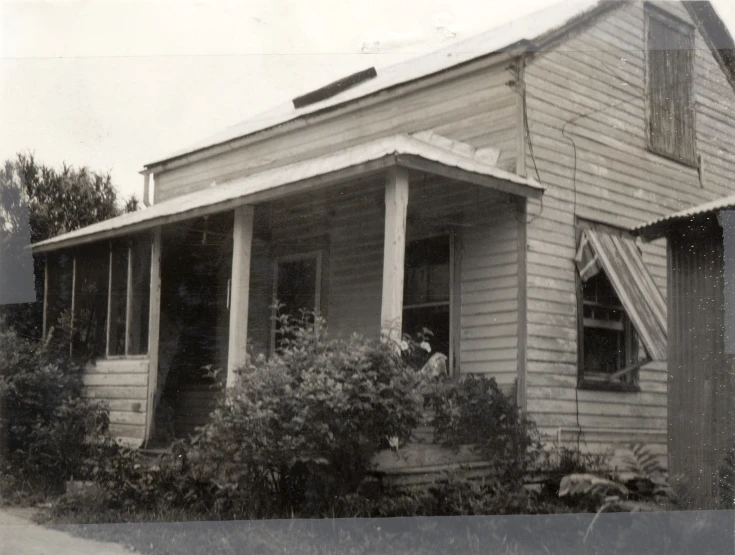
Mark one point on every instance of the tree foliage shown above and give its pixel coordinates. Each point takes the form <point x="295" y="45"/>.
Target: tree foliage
<point x="38" y="202"/>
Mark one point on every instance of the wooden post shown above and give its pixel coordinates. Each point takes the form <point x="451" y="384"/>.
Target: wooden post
<point x="73" y="302"/>
<point x="109" y="304"/>
<point x="129" y="302"/>
<point x="45" y="296"/>
<point x="396" y="205"/>
<point x="242" y="235"/>
<point x="154" y="317"/>
<point x="521" y="382"/>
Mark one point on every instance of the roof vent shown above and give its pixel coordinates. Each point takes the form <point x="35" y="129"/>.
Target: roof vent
<point x="328" y="91"/>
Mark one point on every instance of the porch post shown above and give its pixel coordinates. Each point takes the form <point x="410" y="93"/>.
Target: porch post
<point x="396" y="204"/>
<point x="242" y="241"/>
<point x="154" y="318"/>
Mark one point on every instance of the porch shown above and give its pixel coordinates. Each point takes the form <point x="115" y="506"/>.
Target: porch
<point x="385" y="238"/>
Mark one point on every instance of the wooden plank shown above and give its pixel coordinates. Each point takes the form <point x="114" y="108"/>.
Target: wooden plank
<point x="125" y="417"/>
<point x="112" y="392"/>
<point x="396" y="205"/>
<point x="154" y="318"/>
<point x="114" y="379"/>
<point x="121" y="365"/>
<point x="455" y="304"/>
<point x="73" y="302"/>
<point x="240" y="291"/>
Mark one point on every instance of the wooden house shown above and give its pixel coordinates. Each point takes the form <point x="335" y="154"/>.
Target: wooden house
<point x="485" y="191"/>
<point x="701" y="359"/>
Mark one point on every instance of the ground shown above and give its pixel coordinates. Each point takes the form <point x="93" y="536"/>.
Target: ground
<point x="20" y="536"/>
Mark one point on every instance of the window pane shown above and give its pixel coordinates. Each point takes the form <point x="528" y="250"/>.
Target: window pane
<point x="426" y="277"/>
<point x="426" y="281"/>
<point x="141" y="262"/>
<point x="90" y="303"/>
<point x="118" y="297"/>
<point x="609" y="342"/>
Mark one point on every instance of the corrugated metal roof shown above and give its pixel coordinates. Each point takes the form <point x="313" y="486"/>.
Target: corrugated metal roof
<point x="523" y="29"/>
<point x="658" y="227"/>
<point x="467" y="160"/>
<point x="643" y="302"/>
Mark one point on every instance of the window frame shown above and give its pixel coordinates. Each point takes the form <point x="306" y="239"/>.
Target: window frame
<point x="453" y="362"/>
<point x="318" y="255"/>
<point x="597" y="385"/>
<point x="654" y="12"/>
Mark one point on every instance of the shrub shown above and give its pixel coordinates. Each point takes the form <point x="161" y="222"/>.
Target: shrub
<point x="303" y="426"/>
<point x="45" y="424"/>
<point x="474" y="411"/>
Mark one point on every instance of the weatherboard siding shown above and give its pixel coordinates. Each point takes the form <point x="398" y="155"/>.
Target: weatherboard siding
<point x="122" y="386"/>
<point x="478" y="108"/>
<point x="588" y="92"/>
<point x="347" y="225"/>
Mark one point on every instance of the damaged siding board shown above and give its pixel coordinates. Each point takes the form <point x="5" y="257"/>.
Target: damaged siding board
<point x="597" y="79"/>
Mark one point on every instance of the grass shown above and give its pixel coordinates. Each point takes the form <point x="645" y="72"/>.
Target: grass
<point x="176" y="532"/>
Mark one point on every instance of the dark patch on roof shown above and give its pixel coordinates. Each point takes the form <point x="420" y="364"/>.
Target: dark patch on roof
<point x="332" y="89"/>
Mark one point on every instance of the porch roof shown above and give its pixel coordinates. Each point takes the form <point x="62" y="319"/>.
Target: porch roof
<point x="420" y="152"/>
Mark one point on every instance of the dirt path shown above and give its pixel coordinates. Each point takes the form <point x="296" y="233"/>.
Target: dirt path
<point x="20" y="536"/>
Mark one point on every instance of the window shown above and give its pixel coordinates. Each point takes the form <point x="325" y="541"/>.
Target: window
<point x="129" y="296"/>
<point x="297" y="287"/>
<point x="609" y="341"/>
<point x="669" y="93"/>
<point x="426" y="290"/>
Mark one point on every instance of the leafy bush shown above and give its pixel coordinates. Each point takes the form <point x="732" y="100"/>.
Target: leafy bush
<point x="298" y="430"/>
<point x="474" y="411"/>
<point x="45" y="424"/>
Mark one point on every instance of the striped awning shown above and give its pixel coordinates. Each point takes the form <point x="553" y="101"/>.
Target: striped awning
<point x="618" y="256"/>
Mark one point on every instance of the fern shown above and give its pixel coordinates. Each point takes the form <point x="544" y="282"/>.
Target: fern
<point x="648" y="468"/>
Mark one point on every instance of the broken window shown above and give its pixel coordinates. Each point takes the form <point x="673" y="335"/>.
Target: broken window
<point x="426" y="291"/>
<point x="670" y="98"/>
<point x="622" y="314"/>
<point x="609" y="342"/>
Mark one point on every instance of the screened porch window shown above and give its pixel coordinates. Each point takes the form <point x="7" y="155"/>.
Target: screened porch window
<point x="426" y="290"/>
<point x="129" y="298"/>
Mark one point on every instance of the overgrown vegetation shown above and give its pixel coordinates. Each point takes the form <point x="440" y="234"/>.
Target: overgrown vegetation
<point x="48" y="433"/>
<point x="297" y="436"/>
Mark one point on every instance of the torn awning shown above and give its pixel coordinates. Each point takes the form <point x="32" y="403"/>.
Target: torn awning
<point x="618" y="256"/>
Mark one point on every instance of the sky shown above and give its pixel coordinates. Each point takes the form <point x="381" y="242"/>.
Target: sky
<point x="113" y="85"/>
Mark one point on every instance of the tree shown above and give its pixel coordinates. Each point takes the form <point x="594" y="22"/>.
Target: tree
<point x="38" y="202"/>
